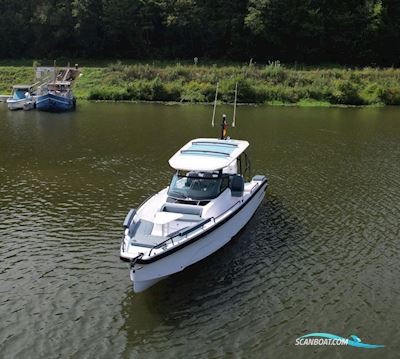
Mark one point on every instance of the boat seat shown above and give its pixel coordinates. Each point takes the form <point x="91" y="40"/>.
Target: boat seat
<point x="147" y="241"/>
<point x="141" y="228"/>
<point x="141" y="236"/>
<point x="190" y="218"/>
<point x="182" y="208"/>
<point x="237" y="186"/>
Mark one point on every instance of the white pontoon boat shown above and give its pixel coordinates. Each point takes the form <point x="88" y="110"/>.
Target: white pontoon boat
<point x="207" y="203"/>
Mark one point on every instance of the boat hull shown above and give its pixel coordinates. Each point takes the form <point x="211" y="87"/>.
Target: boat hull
<point x="30" y="105"/>
<point x="54" y="103"/>
<point x="17" y="104"/>
<point x="145" y="275"/>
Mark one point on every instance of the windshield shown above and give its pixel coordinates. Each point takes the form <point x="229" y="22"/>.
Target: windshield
<point x="19" y="94"/>
<point x="195" y="185"/>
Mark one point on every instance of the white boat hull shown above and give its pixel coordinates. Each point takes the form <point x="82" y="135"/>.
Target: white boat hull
<point x="30" y="105"/>
<point x="146" y="275"/>
<point x="17" y="104"/>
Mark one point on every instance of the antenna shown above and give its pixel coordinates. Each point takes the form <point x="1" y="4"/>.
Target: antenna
<point x="234" y="107"/>
<point x="215" y="105"/>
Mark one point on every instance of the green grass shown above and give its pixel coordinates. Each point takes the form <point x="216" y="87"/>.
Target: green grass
<point x="274" y="83"/>
<point x="10" y="76"/>
<point x="307" y="102"/>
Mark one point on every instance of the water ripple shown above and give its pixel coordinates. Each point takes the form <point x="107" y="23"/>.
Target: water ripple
<point x="321" y="253"/>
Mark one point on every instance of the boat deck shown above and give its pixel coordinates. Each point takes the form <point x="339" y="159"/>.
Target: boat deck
<point x="149" y="234"/>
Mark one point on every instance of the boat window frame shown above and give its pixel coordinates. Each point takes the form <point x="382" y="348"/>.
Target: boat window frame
<point x="224" y="181"/>
<point x="244" y="166"/>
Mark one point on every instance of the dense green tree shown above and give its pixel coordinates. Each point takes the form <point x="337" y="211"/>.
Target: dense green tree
<point x="287" y="30"/>
<point x="185" y="28"/>
<point x="353" y="32"/>
<point x="389" y="37"/>
<point x="88" y="27"/>
<point x="15" y="31"/>
<point x="52" y="28"/>
<point x="121" y="33"/>
<point x="350" y="30"/>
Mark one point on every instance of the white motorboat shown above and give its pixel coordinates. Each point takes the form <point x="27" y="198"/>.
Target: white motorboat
<point x="22" y="96"/>
<point x="206" y="204"/>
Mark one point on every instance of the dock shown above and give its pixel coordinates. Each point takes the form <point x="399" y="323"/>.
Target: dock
<point x="3" y="98"/>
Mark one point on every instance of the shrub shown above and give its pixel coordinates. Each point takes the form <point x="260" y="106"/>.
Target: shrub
<point x="144" y="90"/>
<point x="320" y="91"/>
<point x="390" y="96"/>
<point x="173" y="91"/>
<point x="192" y="92"/>
<point x="176" y="72"/>
<point x="293" y="94"/>
<point x="109" y="94"/>
<point x="370" y="93"/>
<point x="247" y="92"/>
<point x="345" y="92"/>
<point x="133" y="92"/>
<point x="158" y="90"/>
<point x="269" y="93"/>
<point x="275" y="72"/>
<point x="208" y="90"/>
<point x="116" y="66"/>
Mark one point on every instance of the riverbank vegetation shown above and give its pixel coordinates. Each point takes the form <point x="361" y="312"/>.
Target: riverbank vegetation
<point x="231" y="41"/>
<point x="273" y="83"/>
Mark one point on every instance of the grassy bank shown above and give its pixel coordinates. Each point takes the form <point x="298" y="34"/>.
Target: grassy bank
<point x="273" y="83"/>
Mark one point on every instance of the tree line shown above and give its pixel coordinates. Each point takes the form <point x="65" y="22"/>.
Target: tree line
<point x="351" y="32"/>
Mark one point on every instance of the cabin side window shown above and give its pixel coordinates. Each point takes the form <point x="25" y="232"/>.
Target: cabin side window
<point x="224" y="183"/>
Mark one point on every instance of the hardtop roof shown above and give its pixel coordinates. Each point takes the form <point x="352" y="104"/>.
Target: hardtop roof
<point x="207" y="154"/>
<point x="22" y="87"/>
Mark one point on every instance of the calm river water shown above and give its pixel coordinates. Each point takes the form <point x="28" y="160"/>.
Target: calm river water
<point x="320" y="255"/>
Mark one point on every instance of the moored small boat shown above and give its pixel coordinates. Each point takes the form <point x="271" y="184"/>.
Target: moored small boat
<point x="56" y="97"/>
<point x="21" y="95"/>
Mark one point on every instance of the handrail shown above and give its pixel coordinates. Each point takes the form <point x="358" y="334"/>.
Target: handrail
<point x="181" y="233"/>
<point x="251" y="190"/>
<point x="184" y="231"/>
<point x="134" y="260"/>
